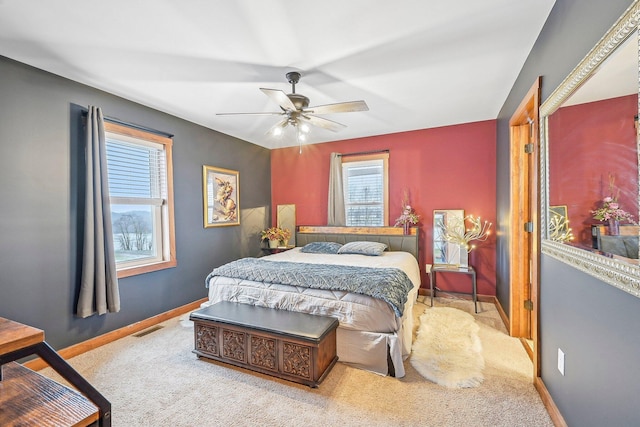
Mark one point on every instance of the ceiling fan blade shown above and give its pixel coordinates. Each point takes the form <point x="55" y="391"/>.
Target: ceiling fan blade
<point x="251" y="114"/>
<point x="322" y="122"/>
<point x="280" y="125"/>
<point x="341" y="107"/>
<point x="280" y="98"/>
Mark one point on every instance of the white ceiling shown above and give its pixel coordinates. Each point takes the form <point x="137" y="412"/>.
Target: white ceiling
<point x="417" y="63"/>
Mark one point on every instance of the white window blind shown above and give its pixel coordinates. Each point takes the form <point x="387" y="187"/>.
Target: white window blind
<point x="364" y="192"/>
<point x="136" y="172"/>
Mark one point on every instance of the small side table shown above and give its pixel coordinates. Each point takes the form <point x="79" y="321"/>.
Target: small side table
<point x="432" y="269"/>
<point x="277" y="250"/>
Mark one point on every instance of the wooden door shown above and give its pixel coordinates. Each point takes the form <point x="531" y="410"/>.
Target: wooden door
<point x="521" y="231"/>
<point x="525" y="227"/>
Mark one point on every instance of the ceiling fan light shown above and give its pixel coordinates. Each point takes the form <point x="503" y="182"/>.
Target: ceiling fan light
<point x="297" y="114"/>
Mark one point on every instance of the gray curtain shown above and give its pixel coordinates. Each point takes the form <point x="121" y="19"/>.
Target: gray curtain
<point x="336" y="214"/>
<point x="99" y="284"/>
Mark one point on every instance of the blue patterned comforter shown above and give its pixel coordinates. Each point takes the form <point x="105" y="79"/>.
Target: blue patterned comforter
<point x="391" y="285"/>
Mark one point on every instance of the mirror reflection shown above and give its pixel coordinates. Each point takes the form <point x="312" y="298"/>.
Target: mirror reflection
<point x="286" y="218"/>
<point x="446" y="252"/>
<point x="593" y="160"/>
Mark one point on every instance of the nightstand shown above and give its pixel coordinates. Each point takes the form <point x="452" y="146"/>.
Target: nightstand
<point x="433" y="269"/>
<point x="277" y="250"/>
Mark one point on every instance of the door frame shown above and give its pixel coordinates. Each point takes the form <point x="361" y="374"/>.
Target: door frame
<point x="527" y="114"/>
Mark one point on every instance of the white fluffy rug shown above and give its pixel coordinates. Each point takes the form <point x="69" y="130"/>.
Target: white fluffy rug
<point x="447" y="349"/>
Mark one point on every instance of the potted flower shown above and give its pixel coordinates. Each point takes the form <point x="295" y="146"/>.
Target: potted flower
<point x="611" y="212"/>
<point x="276" y="236"/>
<point x="408" y="218"/>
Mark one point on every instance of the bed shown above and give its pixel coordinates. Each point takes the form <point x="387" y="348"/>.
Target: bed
<point x="375" y="331"/>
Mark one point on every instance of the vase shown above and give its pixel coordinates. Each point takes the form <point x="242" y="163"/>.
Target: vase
<point x="463" y="263"/>
<point x="406" y="229"/>
<point x="614" y="227"/>
<point x="274" y="243"/>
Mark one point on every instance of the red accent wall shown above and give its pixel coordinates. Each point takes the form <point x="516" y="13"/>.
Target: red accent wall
<point x="588" y="142"/>
<point x="452" y="167"/>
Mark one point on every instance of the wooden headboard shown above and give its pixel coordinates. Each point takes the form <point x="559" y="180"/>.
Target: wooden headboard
<point x="393" y="237"/>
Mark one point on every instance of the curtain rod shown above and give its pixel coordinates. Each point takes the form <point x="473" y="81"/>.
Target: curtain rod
<point x="131" y="125"/>
<point x="362" y="153"/>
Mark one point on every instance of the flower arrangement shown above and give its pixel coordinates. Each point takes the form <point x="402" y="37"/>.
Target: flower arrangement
<point x="409" y="216"/>
<point x="611" y="210"/>
<point x="276" y="233"/>
<point x="456" y="231"/>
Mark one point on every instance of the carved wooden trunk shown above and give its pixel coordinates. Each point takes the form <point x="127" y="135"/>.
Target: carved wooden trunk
<point x="294" y="346"/>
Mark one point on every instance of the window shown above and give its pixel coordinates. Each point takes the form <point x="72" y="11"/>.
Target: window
<point x="141" y="193"/>
<point x="366" y="183"/>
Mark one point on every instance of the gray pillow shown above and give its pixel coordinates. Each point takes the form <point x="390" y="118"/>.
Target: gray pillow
<point x="321" y="248"/>
<point x="613" y="245"/>
<point x="631" y="244"/>
<point x="363" y="248"/>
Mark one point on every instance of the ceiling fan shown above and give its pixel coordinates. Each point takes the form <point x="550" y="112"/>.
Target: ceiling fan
<point x="296" y="111"/>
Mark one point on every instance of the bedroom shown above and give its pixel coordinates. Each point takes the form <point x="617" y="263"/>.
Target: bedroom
<point x="40" y="225"/>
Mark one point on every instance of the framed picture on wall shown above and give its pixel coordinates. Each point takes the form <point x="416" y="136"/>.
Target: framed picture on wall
<point x="559" y="230"/>
<point x="559" y="211"/>
<point x="221" y="196"/>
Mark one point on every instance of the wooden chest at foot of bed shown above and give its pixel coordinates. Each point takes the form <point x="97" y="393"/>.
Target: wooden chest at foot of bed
<point x="293" y="346"/>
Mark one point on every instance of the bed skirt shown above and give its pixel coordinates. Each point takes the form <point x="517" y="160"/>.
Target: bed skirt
<point x="373" y="351"/>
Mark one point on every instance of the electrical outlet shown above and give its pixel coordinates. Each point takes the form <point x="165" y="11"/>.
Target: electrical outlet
<point x="561" y="361"/>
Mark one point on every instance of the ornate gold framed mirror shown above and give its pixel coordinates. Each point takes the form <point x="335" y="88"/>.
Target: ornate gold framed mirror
<point x="589" y="154"/>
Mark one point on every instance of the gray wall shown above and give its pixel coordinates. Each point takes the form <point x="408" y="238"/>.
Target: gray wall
<point x="595" y="324"/>
<point x="40" y="154"/>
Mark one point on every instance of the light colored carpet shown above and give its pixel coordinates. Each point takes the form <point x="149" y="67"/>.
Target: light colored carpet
<point x="447" y="349"/>
<point x="155" y="380"/>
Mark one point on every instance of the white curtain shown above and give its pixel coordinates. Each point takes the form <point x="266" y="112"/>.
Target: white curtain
<point x="335" y="211"/>
<point x="99" y="284"/>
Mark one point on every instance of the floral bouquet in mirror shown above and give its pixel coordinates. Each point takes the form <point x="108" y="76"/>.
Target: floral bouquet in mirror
<point x="611" y="210"/>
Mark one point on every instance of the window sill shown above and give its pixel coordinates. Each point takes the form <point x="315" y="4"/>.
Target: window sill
<point x="134" y="271"/>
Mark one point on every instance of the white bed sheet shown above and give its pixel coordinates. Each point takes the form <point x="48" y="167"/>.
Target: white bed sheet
<point x="367" y="325"/>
